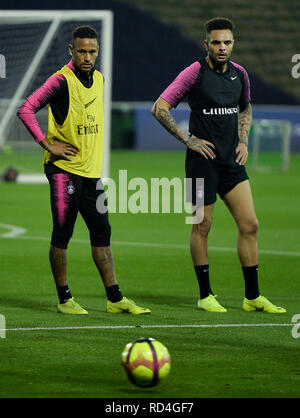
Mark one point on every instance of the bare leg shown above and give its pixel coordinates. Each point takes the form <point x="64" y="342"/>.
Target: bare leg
<point x="199" y="251"/>
<point x="103" y="259"/>
<point x="198" y="240"/>
<point x="240" y="203"/>
<point x="58" y="262"/>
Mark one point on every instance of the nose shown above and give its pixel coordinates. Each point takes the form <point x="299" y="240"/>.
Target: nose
<point x="87" y="57"/>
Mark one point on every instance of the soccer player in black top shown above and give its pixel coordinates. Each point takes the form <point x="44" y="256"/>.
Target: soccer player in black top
<point x="218" y="93"/>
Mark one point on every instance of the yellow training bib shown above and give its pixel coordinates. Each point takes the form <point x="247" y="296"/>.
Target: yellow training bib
<point x="82" y="128"/>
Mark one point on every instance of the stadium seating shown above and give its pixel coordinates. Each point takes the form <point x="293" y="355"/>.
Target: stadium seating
<point x="266" y="32"/>
<point x="148" y="32"/>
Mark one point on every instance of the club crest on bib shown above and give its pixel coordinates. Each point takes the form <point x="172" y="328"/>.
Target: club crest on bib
<point x="70" y="188"/>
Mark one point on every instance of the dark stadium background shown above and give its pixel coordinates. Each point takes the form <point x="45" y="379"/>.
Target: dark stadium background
<point x="153" y="41"/>
<point x="148" y="53"/>
<point x="236" y="355"/>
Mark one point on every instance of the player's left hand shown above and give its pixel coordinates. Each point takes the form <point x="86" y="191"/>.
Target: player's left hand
<point x="241" y="153"/>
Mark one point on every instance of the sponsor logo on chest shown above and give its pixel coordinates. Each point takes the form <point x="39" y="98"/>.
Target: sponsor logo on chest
<point x="220" y="111"/>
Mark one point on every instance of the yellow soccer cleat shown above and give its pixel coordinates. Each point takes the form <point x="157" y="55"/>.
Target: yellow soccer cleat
<point x="71" y="307"/>
<point x="261" y="304"/>
<point x="126" y="306"/>
<point x="210" y="304"/>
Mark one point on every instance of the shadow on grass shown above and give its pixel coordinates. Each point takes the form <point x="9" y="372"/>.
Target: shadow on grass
<point x="31" y="303"/>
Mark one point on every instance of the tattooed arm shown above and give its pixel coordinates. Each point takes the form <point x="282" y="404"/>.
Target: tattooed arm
<point x="245" y="119"/>
<point x="161" y="111"/>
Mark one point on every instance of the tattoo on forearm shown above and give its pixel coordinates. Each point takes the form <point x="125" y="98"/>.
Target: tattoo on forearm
<point x="245" y="118"/>
<point x="195" y="143"/>
<point x="243" y="141"/>
<point x="167" y="121"/>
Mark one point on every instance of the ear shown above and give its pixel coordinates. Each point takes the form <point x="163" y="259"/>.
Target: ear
<point x="206" y="44"/>
<point x="71" y="49"/>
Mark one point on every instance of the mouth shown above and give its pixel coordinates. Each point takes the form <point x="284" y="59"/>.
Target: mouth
<point x="86" y="66"/>
<point x="221" y="56"/>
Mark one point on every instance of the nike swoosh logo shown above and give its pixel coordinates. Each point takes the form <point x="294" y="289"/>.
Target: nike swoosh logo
<point x="89" y="103"/>
<point x="233" y="78"/>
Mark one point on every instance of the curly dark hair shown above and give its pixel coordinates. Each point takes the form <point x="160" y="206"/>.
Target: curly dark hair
<point x="219" y="23"/>
<point x="84" y="32"/>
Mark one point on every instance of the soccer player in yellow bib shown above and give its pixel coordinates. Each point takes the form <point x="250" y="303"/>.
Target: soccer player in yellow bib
<point x="73" y="162"/>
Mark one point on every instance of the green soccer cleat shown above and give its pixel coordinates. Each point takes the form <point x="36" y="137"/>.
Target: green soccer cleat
<point x="210" y="304"/>
<point x="261" y="304"/>
<point x="71" y="307"/>
<point x="126" y="306"/>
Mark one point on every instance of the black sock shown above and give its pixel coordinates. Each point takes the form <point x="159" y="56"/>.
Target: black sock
<point x="202" y="273"/>
<point x="63" y="293"/>
<point x="251" y="282"/>
<point x="113" y="293"/>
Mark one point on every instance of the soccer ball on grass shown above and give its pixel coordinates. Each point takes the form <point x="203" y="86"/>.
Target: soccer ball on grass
<point x="146" y="362"/>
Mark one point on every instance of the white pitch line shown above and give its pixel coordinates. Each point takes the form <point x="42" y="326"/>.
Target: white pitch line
<point x="14" y="231"/>
<point x="149" y="326"/>
<point x="17" y="232"/>
<point x="160" y="245"/>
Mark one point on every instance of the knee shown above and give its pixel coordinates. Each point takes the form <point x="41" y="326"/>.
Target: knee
<point x="203" y="228"/>
<point x="101" y="237"/>
<point x="250" y="227"/>
<point x="61" y="238"/>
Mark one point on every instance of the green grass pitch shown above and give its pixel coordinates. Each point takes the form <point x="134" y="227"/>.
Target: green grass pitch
<point x="236" y="354"/>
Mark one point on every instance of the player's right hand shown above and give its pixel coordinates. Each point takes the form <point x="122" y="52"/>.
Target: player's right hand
<point x="201" y="146"/>
<point x="62" y="149"/>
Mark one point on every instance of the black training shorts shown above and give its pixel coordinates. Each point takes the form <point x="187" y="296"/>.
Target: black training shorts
<point x="70" y="194"/>
<point x="218" y="179"/>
